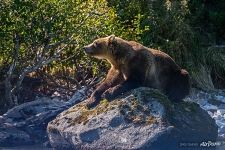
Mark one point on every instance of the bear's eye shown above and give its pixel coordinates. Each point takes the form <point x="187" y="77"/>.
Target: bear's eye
<point x="96" y="44"/>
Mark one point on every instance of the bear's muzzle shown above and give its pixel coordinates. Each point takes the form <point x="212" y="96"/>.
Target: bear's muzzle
<point x="88" y="50"/>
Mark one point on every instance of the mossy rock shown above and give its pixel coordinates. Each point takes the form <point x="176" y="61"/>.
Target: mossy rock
<point x="143" y="118"/>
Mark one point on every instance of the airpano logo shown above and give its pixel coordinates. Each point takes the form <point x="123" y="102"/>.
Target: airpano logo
<point x="202" y="144"/>
<point x="211" y="144"/>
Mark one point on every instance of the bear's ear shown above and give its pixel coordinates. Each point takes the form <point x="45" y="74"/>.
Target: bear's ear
<point x="113" y="46"/>
<point x="112" y="42"/>
<point x="112" y="39"/>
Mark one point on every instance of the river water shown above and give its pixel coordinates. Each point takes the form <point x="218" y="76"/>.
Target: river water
<point x="214" y="104"/>
<point x="29" y="147"/>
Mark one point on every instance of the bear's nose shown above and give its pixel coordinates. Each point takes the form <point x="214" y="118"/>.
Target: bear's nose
<point x="84" y="48"/>
<point x="87" y="49"/>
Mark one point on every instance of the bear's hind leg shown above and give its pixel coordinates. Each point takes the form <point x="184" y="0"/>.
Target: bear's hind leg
<point x="179" y="86"/>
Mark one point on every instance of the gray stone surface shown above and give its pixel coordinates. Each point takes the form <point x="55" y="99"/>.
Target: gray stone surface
<point x="26" y="124"/>
<point x="10" y="135"/>
<point x="141" y="119"/>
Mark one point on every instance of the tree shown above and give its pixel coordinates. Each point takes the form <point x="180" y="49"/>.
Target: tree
<point x="37" y="33"/>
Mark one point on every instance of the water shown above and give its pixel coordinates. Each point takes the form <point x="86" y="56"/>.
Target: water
<point x="214" y="104"/>
<point x="27" y="147"/>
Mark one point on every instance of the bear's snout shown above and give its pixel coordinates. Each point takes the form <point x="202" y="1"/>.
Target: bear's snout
<point x="87" y="50"/>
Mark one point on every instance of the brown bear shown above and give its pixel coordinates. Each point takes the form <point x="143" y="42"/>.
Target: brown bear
<point x="134" y="65"/>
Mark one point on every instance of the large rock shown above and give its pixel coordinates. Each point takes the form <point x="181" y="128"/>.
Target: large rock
<point x="141" y="119"/>
<point x="26" y="124"/>
<point x="11" y="136"/>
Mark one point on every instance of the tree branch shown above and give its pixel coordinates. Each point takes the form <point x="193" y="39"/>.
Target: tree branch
<point x="9" y="94"/>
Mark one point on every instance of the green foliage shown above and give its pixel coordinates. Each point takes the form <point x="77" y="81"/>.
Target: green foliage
<point x="163" y="26"/>
<point x="50" y="23"/>
<point x="58" y="23"/>
<point x="184" y="29"/>
<point x="215" y="58"/>
<point x="208" y="18"/>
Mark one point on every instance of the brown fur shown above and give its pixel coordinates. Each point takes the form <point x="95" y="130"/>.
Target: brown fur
<point x="132" y="66"/>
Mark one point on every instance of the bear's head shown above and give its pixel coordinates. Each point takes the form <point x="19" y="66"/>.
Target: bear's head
<point x="114" y="49"/>
<point x="101" y="48"/>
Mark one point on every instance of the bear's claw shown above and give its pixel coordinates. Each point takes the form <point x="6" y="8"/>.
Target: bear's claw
<point x="92" y="102"/>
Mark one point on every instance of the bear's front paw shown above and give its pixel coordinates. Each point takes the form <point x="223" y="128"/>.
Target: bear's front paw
<point x="108" y="95"/>
<point x="92" y="102"/>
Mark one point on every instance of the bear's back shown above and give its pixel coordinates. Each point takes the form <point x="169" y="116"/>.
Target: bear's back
<point x="161" y="59"/>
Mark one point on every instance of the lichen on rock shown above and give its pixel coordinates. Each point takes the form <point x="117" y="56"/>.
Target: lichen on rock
<point x="140" y="119"/>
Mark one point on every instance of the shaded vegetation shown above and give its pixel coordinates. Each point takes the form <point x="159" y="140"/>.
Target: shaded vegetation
<point x="191" y="31"/>
<point x="44" y="39"/>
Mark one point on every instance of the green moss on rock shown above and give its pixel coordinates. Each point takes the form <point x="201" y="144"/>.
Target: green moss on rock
<point x="133" y="108"/>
